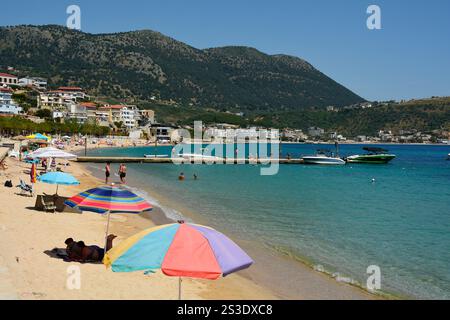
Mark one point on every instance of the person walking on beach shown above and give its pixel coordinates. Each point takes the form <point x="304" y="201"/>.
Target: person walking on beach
<point x="122" y="173"/>
<point x="107" y="172"/>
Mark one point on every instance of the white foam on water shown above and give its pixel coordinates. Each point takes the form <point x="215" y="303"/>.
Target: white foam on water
<point x="170" y="213"/>
<point x="339" y="278"/>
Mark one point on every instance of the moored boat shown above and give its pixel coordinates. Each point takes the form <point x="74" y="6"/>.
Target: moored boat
<point x="373" y="155"/>
<point x="323" y="157"/>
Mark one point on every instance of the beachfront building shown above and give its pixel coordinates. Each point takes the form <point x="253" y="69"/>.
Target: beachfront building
<point x="148" y="116"/>
<point x="7" y="105"/>
<point x="77" y="112"/>
<point x="8" y="79"/>
<point x="162" y="133"/>
<point x="294" y="135"/>
<point x="34" y="82"/>
<point x="127" y="115"/>
<point x="315" y="132"/>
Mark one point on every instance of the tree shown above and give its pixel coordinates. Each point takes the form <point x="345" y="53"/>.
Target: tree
<point x="44" y="113"/>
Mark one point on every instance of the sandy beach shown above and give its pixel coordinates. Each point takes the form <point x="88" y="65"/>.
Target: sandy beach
<point x="29" y="271"/>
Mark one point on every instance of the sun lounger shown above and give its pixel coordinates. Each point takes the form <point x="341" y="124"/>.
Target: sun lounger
<point x="25" y="188"/>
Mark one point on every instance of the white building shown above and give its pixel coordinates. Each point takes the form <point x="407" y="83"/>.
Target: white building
<point x="128" y="115"/>
<point x="8" y="79"/>
<point x="7" y="105"/>
<point x="315" y="132"/>
<point x="61" y="98"/>
<point x="35" y="82"/>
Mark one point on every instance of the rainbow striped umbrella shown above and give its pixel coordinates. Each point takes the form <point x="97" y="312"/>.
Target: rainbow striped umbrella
<point x="107" y="200"/>
<point x="179" y="250"/>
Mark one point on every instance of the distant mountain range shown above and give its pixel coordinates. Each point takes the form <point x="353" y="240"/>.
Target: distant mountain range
<point x="141" y="64"/>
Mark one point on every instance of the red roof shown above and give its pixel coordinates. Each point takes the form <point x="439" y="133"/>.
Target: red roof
<point x="5" y="89"/>
<point x="7" y="75"/>
<point x="70" y="89"/>
<point x="88" y="105"/>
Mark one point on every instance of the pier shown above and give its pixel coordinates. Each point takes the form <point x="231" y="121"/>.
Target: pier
<point x="182" y="160"/>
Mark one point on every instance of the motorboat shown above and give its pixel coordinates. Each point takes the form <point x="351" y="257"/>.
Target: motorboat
<point x="373" y="155"/>
<point x="150" y="156"/>
<point x="323" y="157"/>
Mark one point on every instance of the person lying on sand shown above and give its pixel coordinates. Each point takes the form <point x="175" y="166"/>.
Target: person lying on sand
<point x="80" y="252"/>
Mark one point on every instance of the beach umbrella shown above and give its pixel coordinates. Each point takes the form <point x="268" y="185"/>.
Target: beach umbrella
<point x="179" y="250"/>
<point x="51" y="152"/>
<point x="38" y="136"/>
<point x="110" y="199"/>
<point x="59" y="178"/>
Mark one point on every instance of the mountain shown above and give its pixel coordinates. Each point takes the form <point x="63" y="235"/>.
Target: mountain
<point x="142" y="64"/>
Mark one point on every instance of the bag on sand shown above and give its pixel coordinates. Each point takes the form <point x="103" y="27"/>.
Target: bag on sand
<point x="8" y="184"/>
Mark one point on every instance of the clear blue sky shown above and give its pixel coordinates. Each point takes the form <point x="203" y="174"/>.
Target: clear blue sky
<point x="408" y="58"/>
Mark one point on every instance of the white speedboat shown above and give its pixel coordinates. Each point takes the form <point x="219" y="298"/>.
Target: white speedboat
<point x="156" y="156"/>
<point x="194" y="156"/>
<point x="323" y="158"/>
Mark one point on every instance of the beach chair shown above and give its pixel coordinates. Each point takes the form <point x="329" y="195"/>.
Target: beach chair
<point x="25" y="188"/>
<point x="45" y="204"/>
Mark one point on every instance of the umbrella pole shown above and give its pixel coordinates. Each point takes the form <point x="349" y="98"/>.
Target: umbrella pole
<point x="179" y="288"/>
<point x="57" y="186"/>
<point x="107" y="229"/>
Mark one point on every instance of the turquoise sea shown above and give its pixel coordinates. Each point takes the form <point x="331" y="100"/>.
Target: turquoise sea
<point x="334" y="217"/>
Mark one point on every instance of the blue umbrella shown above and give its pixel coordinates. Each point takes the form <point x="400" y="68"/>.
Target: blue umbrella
<point x="59" y="178"/>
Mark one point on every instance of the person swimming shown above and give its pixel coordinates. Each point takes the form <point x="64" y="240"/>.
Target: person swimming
<point x="181" y="176"/>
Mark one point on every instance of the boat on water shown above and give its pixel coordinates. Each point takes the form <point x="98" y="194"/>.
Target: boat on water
<point x="323" y="157"/>
<point x="194" y="156"/>
<point x="156" y="156"/>
<point x="373" y="155"/>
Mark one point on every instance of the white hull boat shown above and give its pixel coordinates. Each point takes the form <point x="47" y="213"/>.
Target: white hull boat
<point x="323" y="160"/>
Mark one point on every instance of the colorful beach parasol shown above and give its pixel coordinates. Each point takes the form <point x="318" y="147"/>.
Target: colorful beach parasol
<point x="59" y="178"/>
<point x="107" y="200"/>
<point x="179" y="250"/>
<point x="38" y="136"/>
<point x="51" y="152"/>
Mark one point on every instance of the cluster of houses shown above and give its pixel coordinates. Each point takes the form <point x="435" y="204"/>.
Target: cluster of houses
<point x="72" y="103"/>
<point x="316" y="134"/>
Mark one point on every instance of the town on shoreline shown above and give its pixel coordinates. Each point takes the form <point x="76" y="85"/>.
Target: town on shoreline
<point x="28" y="105"/>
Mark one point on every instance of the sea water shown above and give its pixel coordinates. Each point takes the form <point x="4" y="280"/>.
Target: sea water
<point x="342" y="219"/>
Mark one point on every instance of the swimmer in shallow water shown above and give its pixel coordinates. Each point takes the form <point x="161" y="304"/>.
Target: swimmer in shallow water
<point x="181" y="176"/>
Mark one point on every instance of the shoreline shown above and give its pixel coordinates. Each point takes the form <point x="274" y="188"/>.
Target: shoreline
<point x="314" y="284"/>
<point x="29" y="271"/>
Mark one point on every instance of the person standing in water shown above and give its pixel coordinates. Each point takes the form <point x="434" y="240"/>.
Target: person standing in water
<point x="122" y="173"/>
<point x="107" y="172"/>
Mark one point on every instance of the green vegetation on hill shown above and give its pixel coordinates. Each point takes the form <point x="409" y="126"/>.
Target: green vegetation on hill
<point x="141" y="64"/>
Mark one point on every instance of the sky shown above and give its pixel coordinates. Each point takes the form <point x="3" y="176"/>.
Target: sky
<point x="409" y="57"/>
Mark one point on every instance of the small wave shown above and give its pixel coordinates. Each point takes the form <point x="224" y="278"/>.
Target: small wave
<point x="170" y="213"/>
